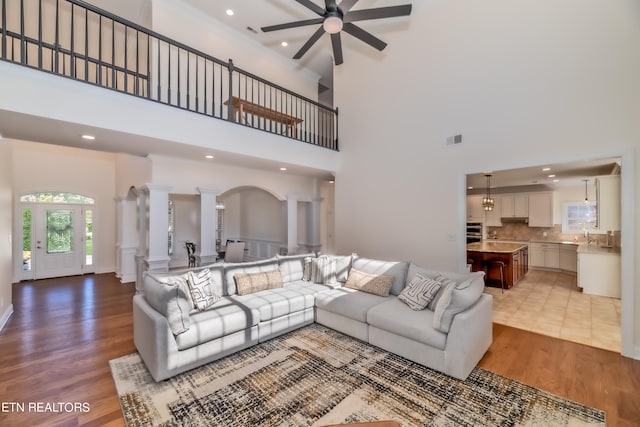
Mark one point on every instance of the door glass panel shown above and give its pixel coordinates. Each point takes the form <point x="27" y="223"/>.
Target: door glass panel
<point x="26" y="239"/>
<point x="88" y="237"/>
<point x="59" y="231"/>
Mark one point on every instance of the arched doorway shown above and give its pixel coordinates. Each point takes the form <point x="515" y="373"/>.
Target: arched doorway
<point x="56" y="235"/>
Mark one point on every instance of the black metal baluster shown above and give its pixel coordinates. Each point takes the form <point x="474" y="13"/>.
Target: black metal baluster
<point x="137" y="75"/>
<point x="23" y="49"/>
<point x="159" y="74"/>
<point x="148" y="94"/>
<point x="4" y="29"/>
<point x="169" y="74"/>
<point x="197" y="84"/>
<point x="40" y="34"/>
<point x="125" y="77"/>
<point x="205" y="86"/>
<point x="230" y="109"/>
<point x="99" y="74"/>
<point x="86" y="45"/>
<point x="114" y="85"/>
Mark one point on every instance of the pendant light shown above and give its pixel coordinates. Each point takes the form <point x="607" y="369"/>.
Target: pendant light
<point x="487" y="201"/>
<point x="586" y="198"/>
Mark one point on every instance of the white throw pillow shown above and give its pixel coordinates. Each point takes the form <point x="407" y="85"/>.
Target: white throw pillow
<point x="419" y="292"/>
<point x="203" y="293"/>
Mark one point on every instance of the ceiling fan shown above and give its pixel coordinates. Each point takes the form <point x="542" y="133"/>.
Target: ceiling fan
<point x="335" y="18"/>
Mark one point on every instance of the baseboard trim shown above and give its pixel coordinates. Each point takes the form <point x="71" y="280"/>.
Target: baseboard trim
<point x="5" y="316"/>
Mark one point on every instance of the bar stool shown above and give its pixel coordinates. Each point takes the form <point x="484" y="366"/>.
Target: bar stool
<point x="494" y="263"/>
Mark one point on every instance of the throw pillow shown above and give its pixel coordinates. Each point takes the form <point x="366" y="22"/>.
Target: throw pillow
<point x="443" y="303"/>
<point x="370" y="283"/>
<point x="169" y="298"/>
<point x="321" y="270"/>
<point x="444" y="281"/>
<point x="419" y="292"/>
<point x="203" y="293"/>
<point x="248" y="283"/>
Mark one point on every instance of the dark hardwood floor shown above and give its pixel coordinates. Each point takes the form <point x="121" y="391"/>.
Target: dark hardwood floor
<point x="57" y="345"/>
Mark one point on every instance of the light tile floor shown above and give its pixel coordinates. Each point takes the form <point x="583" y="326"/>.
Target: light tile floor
<point x="550" y="303"/>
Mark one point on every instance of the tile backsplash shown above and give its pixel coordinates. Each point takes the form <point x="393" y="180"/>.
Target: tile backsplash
<point x="520" y="231"/>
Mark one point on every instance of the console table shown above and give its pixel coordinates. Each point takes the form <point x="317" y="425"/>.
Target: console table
<point x="242" y="107"/>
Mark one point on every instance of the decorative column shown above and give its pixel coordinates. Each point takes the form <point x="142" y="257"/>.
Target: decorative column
<point x="292" y="225"/>
<point x="141" y="251"/>
<point x="158" y="249"/>
<point x="314" y="219"/>
<point x="206" y="253"/>
<point x="126" y="239"/>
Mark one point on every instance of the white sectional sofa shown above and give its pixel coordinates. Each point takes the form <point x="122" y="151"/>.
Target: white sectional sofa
<point x="257" y="301"/>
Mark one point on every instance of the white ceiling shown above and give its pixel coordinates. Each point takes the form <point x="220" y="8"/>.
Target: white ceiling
<point x="256" y="14"/>
<point x="529" y="178"/>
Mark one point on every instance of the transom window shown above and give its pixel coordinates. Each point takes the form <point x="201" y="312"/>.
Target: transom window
<point x="49" y="197"/>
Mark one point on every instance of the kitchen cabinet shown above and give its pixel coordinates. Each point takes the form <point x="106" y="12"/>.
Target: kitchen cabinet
<point x="544" y="255"/>
<point x="541" y="209"/>
<point x="494" y="216"/>
<point x="608" y="200"/>
<point x="475" y="212"/>
<point x="599" y="272"/>
<point x="515" y="206"/>
<point x="569" y="258"/>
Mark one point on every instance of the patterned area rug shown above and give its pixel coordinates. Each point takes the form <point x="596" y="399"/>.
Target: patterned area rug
<point x="316" y="376"/>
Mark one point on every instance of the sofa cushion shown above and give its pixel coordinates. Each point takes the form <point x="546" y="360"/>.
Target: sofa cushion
<point x="343" y="265"/>
<point x="321" y="269"/>
<point x="397" y="269"/>
<point x="349" y="302"/>
<point x="467" y="290"/>
<point x="420" y="292"/>
<point x="224" y="317"/>
<point x="231" y="269"/>
<point x="395" y="317"/>
<point x="308" y="288"/>
<point x="217" y="278"/>
<point x="169" y="297"/>
<point x="370" y="283"/>
<point x="248" y="283"/>
<point x="273" y="303"/>
<point x="203" y="291"/>
<point x="292" y="266"/>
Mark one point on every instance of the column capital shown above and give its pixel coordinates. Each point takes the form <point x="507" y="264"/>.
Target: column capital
<point x="148" y="187"/>
<point x="202" y="190"/>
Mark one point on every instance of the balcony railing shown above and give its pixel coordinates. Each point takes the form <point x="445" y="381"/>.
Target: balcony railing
<point x="77" y="40"/>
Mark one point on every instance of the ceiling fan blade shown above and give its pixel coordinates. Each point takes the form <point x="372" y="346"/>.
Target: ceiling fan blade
<point x="378" y="13"/>
<point x="337" y="48"/>
<point x="314" y="38"/>
<point x="346" y="5"/>
<point x="311" y="5"/>
<point x="292" y="24"/>
<point x="363" y="35"/>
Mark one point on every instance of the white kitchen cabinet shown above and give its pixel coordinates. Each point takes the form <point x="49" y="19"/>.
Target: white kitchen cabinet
<point x="541" y="209"/>
<point x="515" y="206"/>
<point x="544" y="255"/>
<point x="475" y="212"/>
<point x="609" y="202"/>
<point x="493" y="218"/>
<point x="569" y="258"/>
<point x="599" y="273"/>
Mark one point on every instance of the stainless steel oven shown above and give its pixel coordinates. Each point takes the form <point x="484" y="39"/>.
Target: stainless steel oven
<point x="474" y="232"/>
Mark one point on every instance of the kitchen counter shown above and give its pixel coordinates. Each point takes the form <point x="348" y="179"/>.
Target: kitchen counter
<point x="597" y="249"/>
<point x="488" y="246"/>
<point x="488" y="256"/>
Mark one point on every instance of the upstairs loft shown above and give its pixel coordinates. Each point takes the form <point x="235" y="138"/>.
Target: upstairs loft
<point x="88" y="45"/>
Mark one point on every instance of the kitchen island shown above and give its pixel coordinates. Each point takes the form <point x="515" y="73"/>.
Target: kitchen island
<point x="486" y="256"/>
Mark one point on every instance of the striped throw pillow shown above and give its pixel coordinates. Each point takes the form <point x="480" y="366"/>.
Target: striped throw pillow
<point x="322" y="270"/>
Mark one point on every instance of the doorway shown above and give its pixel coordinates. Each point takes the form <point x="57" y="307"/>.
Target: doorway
<point x="56" y="235"/>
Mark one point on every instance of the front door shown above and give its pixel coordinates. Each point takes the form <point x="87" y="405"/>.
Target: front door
<point x="58" y="240"/>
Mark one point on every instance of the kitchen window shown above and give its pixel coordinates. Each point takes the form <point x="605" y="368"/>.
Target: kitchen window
<point x="578" y="217"/>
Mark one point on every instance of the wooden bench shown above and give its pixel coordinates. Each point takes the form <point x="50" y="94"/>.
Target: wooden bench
<point x="242" y="107"/>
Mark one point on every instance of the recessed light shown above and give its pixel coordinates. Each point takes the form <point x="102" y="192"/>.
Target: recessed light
<point x="552" y="176"/>
<point x="469" y="188"/>
<point x="556" y="180"/>
<point x="284" y="44"/>
<point x="88" y="137"/>
<point x="229" y="12"/>
<point x="208" y="156"/>
<point x="546" y="169"/>
<point x="283" y="169"/>
<point x="332" y="182"/>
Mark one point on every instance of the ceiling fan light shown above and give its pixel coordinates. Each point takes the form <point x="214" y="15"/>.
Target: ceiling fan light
<point x="332" y="24"/>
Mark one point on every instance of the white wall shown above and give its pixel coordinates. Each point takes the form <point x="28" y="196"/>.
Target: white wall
<point x="6" y="232"/>
<point x="131" y="171"/>
<point x="44" y="167"/>
<point x="183" y="23"/>
<point x="526" y="83"/>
